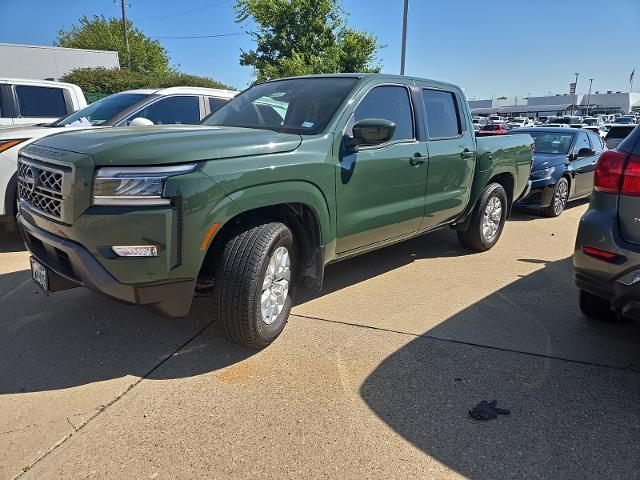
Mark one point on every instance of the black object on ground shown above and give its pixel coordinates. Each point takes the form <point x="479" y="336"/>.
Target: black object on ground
<point x="487" y="410"/>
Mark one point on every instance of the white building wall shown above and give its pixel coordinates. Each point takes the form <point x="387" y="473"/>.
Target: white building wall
<point x="39" y="62"/>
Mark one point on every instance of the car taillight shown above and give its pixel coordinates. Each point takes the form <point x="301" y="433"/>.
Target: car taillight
<point x="609" y="171"/>
<point x="631" y="177"/>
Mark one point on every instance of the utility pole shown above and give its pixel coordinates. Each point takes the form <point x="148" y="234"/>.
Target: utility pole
<point x="404" y="36"/>
<point x="125" y="32"/>
<point x="589" y="96"/>
<point x="575" y="94"/>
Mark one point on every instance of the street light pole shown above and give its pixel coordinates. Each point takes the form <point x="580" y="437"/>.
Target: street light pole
<point x="575" y="94"/>
<point x="404" y="36"/>
<point x="126" y="32"/>
<point x="589" y="95"/>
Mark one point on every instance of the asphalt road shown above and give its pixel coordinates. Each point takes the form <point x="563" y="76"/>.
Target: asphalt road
<point x="372" y="378"/>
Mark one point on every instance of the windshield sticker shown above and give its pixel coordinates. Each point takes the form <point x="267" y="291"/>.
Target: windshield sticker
<point x="308" y="124"/>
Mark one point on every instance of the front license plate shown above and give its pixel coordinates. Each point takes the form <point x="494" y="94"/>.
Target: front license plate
<point x="39" y="275"/>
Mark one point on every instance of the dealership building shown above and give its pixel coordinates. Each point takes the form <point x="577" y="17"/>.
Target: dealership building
<point x="581" y="104"/>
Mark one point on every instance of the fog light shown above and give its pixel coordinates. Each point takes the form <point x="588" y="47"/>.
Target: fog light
<point x="630" y="278"/>
<point x="136" y="251"/>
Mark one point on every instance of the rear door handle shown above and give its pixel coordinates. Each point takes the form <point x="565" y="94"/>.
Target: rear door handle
<point x="417" y="159"/>
<point x="466" y="153"/>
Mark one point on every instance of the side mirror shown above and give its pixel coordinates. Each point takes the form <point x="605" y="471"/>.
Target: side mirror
<point x="372" y="131"/>
<point x="585" y="152"/>
<point x="140" y="122"/>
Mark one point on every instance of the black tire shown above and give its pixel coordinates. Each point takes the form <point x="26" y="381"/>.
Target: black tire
<point x="559" y="199"/>
<point x="599" y="308"/>
<point x="474" y="237"/>
<point x="238" y="284"/>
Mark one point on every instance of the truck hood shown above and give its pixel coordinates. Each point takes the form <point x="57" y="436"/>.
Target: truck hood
<point x="170" y="144"/>
<point x="30" y="131"/>
<point x="547" y="160"/>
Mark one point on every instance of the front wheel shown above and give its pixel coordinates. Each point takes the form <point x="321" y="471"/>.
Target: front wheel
<point x="487" y="220"/>
<point x="254" y="284"/>
<point x="559" y="200"/>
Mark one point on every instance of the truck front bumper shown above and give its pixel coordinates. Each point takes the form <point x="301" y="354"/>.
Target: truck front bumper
<point x="70" y="265"/>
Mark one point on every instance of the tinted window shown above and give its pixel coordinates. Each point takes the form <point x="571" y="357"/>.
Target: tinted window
<point x="172" y="110"/>
<point x="632" y="142"/>
<point x="581" y="142"/>
<point x="443" y="118"/>
<point x="298" y="105"/>
<point x="619" y="132"/>
<point x="99" y="112"/>
<point x="216" y="103"/>
<point x="40" y="101"/>
<point x="388" y="103"/>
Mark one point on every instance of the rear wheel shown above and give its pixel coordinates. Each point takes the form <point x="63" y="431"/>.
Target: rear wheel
<point x="254" y="284"/>
<point x="559" y="200"/>
<point x="597" y="307"/>
<point x="487" y="220"/>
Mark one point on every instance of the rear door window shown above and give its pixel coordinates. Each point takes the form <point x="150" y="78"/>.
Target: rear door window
<point x="215" y="103"/>
<point x="388" y="102"/>
<point x="40" y="101"/>
<point x="443" y="114"/>
<point x="180" y="109"/>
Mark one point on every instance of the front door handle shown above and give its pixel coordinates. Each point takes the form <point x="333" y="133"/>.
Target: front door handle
<point x="466" y="153"/>
<point x="417" y="159"/>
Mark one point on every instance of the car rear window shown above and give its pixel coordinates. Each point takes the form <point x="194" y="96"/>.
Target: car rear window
<point x="632" y="142"/>
<point x="619" y="131"/>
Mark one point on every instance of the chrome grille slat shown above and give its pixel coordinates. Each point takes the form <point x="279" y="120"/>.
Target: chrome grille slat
<point x="40" y="186"/>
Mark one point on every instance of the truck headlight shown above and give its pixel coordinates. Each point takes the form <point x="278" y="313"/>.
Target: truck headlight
<point x="134" y="185"/>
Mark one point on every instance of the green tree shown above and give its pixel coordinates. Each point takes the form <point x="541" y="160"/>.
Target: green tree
<point x="300" y="37"/>
<point x="100" y="33"/>
<point x="114" y="80"/>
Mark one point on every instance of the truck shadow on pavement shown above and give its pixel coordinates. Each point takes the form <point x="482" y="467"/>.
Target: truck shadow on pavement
<point x="10" y="240"/>
<point x="438" y="244"/>
<point x="77" y="337"/>
<point x="572" y="384"/>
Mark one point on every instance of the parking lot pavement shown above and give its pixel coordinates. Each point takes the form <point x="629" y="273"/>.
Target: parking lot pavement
<point x="372" y="378"/>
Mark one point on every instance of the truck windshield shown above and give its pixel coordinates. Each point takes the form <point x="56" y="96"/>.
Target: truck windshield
<point x="551" y="143"/>
<point x="299" y="105"/>
<point x="99" y="112"/>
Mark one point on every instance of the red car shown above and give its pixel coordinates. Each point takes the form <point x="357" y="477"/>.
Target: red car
<point x="493" y="129"/>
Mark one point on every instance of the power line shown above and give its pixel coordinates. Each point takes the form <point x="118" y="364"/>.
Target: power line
<point x="201" y="36"/>
<point x="184" y="12"/>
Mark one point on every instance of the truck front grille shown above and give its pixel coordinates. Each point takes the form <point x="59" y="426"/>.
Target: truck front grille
<point x="40" y="186"/>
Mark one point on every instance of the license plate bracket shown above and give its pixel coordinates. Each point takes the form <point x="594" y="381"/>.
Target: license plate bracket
<point x="40" y="275"/>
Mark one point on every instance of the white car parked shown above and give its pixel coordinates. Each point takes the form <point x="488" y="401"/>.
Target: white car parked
<point x="26" y="102"/>
<point x="167" y="106"/>
<point x="520" y="122"/>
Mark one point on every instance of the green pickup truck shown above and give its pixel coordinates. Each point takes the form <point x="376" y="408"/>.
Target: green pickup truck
<point x="289" y="176"/>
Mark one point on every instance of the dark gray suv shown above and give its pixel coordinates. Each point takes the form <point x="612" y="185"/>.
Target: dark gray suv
<point x="607" y="252"/>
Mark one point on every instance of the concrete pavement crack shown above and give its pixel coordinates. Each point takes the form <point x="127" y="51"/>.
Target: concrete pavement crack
<point x="104" y="408"/>
<point x="473" y="344"/>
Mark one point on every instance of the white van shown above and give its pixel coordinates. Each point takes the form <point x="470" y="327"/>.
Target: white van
<point x="27" y="102"/>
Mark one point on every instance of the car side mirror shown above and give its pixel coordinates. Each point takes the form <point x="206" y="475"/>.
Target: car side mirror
<point x="140" y="122"/>
<point x="585" y="152"/>
<point x="372" y="131"/>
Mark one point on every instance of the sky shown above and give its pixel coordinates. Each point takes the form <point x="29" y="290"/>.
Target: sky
<point x="491" y="48"/>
